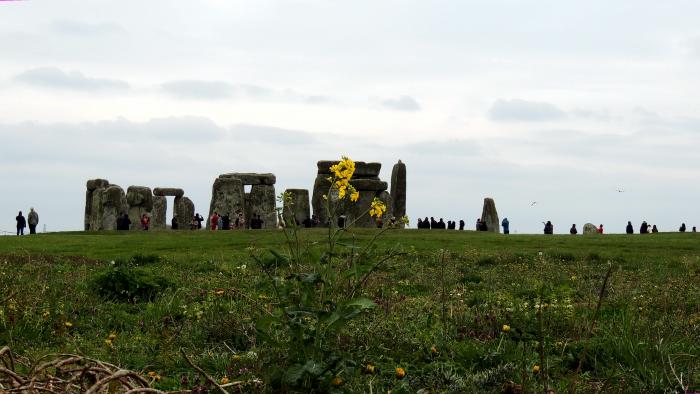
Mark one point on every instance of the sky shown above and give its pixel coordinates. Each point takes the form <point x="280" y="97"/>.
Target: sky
<point x="590" y="109"/>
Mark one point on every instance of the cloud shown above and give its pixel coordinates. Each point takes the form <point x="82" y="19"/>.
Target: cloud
<point x="403" y="103"/>
<point x="270" y="135"/>
<point x="54" y="78"/>
<point x="189" y="89"/>
<point x="85" y="29"/>
<point x="517" y="110"/>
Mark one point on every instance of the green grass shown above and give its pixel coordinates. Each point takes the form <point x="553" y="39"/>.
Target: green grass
<point x="646" y="336"/>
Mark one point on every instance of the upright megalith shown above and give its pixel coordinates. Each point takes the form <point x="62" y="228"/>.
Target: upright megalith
<point x="93" y="216"/>
<point x="140" y="201"/>
<point x="114" y="205"/>
<point x="229" y="197"/>
<point x="159" y="212"/>
<point x="296" y="207"/>
<point x="398" y="191"/>
<point x="183" y="210"/>
<point x="490" y="216"/>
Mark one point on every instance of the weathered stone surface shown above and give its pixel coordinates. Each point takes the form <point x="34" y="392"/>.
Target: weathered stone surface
<point x="183" y="210"/>
<point x="159" y="212"/>
<point x="298" y="207"/>
<point x="93" y="184"/>
<point x="362" y="169"/>
<point x="398" y="191"/>
<point x="88" y="209"/>
<point x="369" y="184"/>
<point x="490" y="216"/>
<point x="113" y="206"/>
<point x="96" y="209"/>
<point x="318" y="203"/>
<point x="385" y="196"/>
<point x="140" y="200"/>
<point x="590" y="228"/>
<point x="168" y="191"/>
<point x="261" y="201"/>
<point x="227" y="197"/>
<point x="252" y="178"/>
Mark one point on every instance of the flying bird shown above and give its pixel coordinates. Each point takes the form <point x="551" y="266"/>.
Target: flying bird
<point x="533" y="203"/>
<point x="620" y="190"/>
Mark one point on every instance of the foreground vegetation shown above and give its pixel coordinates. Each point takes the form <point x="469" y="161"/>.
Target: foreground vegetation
<point x="448" y="311"/>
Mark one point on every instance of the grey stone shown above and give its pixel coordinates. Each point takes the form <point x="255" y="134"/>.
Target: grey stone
<point x="140" y="200"/>
<point x="318" y="203"/>
<point x="398" y="191"/>
<point x="298" y="207"/>
<point x="168" y="191"/>
<point x="362" y="169"/>
<point x="262" y="201"/>
<point x="113" y="206"/>
<point x="183" y="210"/>
<point x="227" y="197"/>
<point x="93" y="184"/>
<point x="590" y="228"/>
<point x="369" y="184"/>
<point x="490" y="216"/>
<point x="159" y="212"/>
<point x="88" y="209"/>
<point x="252" y="178"/>
<point x="96" y="210"/>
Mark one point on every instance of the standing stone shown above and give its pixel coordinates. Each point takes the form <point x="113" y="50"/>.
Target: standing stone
<point x="227" y="197"/>
<point x="183" y="210"/>
<point x="398" y="191"/>
<point x="590" y="228"/>
<point x="298" y="207"/>
<point x="159" y="212"/>
<point x="388" y="200"/>
<point x="140" y="201"/>
<point x="97" y="209"/>
<point x="113" y="206"/>
<point x="90" y="217"/>
<point x="490" y="216"/>
<point x="318" y="203"/>
<point x="263" y="202"/>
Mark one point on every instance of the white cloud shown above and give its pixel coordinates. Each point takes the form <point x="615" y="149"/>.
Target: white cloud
<point x="517" y="110"/>
<point x="55" y="78"/>
<point x="403" y="103"/>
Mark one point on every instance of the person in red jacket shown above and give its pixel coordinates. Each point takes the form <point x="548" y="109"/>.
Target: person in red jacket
<point x="145" y="222"/>
<point x="600" y="229"/>
<point x="214" y="221"/>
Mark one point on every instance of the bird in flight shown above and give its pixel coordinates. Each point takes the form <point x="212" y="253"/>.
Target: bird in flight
<point x="533" y="203"/>
<point x="620" y="190"/>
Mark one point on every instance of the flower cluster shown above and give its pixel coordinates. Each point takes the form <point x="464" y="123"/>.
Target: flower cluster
<point x="342" y="173"/>
<point x="377" y="208"/>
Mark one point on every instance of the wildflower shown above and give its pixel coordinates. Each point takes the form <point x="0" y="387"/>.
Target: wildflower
<point x="400" y="373"/>
<point x="337" y="381"/>
<point x="219" y="292"/>
<point x="506" y="328"/>
<point x="377" y="208"/>
<point x="224" y="380"/>
<point x="154" y="376"/>
<point x="433" y="349"/>
<point x="354" y="196"/>
<point x="68" y="324"/>
<point x="112" y="336"/>
<point x="46" y="314"/>
<point x="108" y="342"/>
<point x="370" y="368"/>
<point x="536" y="369"/>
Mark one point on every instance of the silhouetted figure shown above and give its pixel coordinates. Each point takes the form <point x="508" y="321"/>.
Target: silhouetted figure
<point x="392" y="222"/>
<point x="123" y="222"/>
<point x="694" y="229"/>
<point x="199" y="220"/>
<point x="681" y="229"/>
<point x="451" y="225"/>
<point x="600" y="229"/>
<point x="433" y="223"/>
<point x="420" y="223"/>
<point x="483" y="226"/>
<point x="441" y="225"/>
<point x="174" y="224"/>
<point x="380" y="222"/>
<point x="226" y="222"/>
<point x="478" y="224"/>
<point x="629" y="229"/>
<point x="506" y="226"/>
<point x="548" y="227"/>
<point x="461" y="224"/>
<point x="654" y="229"/>
<point x="644" y="228"/>
<point x="21" y="223"/>
<point x="573" y="230"/>
<point x="307" y="223"/>
<point x="32" y="220"/>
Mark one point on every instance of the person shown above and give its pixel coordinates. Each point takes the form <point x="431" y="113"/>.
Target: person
<point x="241" y="221"/>
<point x="21" y="223"/>
<point x="123" y="223"/>
<point x="195" y="223"/>
<point x="478" y="224"/>
<point x="226" y="222"/>
<point x="420" y="223"/>
<point x="33" y="220"/>
<point x="644" y="228"/>
<point x="145" y="222"/>
<point x="433" y="223"/>
<point x="281" y="223"/>
<point x="451" y="225"/>
<point x="214" y="220"/>
<point x="461" y="224"/>
<point x="682" y="229"/>
<point x="199" y="220"/>
<point x="174" y="223"/>
<point x="694" y="230"/>
<point x="629" y="229"/>
<point x="219" y="222"/>
<point x="573" y="230"/>
<point x="380" y="222"/>
<point x="307" y="223"/>
<point x="548" y="227"/>
<point x="483" y="226"/>
<point x="506" y="226"/>
<point x="600" y="229"/>
<point x="441" y="225"/>
<point x="654" y="229"/>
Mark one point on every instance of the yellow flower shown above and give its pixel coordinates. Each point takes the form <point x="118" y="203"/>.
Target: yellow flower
<point x="337" y="381"/>
<point x="370" y="368"/>
<point x="506" y="328"/>
<point x="433" y="350"/>
<point x="400" y="373"/>
<point x="224" y="380"/>
<point x="377" y="208"/>
<point x="354" y="196"/>
<point x="68" y="324"/>
<point x="154" y="375"/>
<point x="112" y="336"/>
<point x="219" y="292"/>
<point x="108" y="342"/>
<point x="536" y="369"/>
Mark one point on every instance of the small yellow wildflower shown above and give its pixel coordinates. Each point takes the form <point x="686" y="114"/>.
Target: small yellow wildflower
<point x="400" y="373"/>
<point x="68" y="324"/>
<point x="433" y="350"/>
<point x="112" y="336"/>
<point x="219" y="292"/>
<point x="377" y="208"/>
<point x="154" y="375"/>
<point x="108" y="342"/>
<point x="370" y="368"/>
<point x="337" y="381"/>
<point x="506" y="328"/>
<point x="46" y="314"/>
<point x="536" y="369"/>
<point x="224" y="380"/>
<point x="354" y="196"/>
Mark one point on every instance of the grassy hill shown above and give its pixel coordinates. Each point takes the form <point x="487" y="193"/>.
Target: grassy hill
<point x="455" y="311"/>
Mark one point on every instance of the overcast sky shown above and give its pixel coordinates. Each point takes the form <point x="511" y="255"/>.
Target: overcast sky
<point x="559" y="102"/>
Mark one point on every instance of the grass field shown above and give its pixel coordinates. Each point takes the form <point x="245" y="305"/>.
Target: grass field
<point x="455" y="311"/>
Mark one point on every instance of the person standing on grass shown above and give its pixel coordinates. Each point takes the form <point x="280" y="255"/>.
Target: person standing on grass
<point x="654" y="229"/>
<point x="199" y="220"/>
<point x="33" y="219"/>
<point x="629" y="229"/>
<point x="461" y="224"/>
<point x="694" y="229"/>
<point x="21" y="223"/>
<point x="548" y="228"/>
<point x="145" y="222"/>
<point x="214" y="220"/>
<point x="573" y="230"/>
<point x="644" y="228"/>
<point x="682" y="229"/>
<point x="600" y="229"/>
<point x="506" y="226"/>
